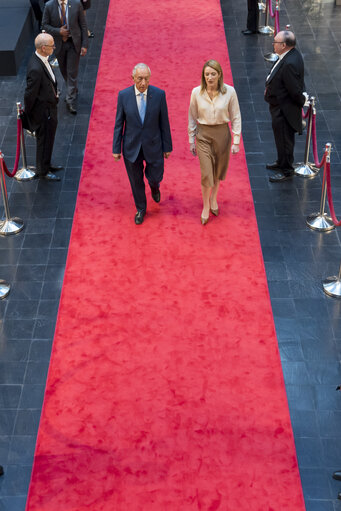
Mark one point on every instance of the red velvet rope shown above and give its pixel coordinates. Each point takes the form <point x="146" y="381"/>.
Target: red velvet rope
<point x="271" y="12"/>
<point x="17" y="155"/>
<point x="277" y="29"/>
<point x="316" y="158"/>
<point x="305" y="115"/>
<point x="330" y="197"/>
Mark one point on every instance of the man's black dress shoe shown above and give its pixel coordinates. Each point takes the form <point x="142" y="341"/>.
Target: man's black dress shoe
<point x="337" y="475"/>
<point x="272" y="166"/>
<point x="156" y="194"/>
<point x="249" y="32"/>
<point x="139" y="217"/>
<point x="279" y="177"/>
<point x="71" y="108"/>
<point x="50" y="177"/>
<point x="55" y="168"/>
<point x="1" y="471"/>
<point x="339" y="495"/>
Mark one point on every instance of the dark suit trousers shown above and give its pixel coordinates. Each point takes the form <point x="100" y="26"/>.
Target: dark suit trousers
<point x="68" y="60"/>
<point x="252" y="15"/>
<point x="45" y="135"/>
<point x="284" y="138"/>
<point x="154" y="174"/>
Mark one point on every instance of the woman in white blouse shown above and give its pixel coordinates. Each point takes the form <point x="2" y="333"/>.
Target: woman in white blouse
<point x="213" y="105"/>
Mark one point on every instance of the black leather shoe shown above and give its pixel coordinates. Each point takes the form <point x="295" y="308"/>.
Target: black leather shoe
<point x="156" y="194"/>
<point x="279" y="177"/>
<point x="55" y="168"/>
<point x="339" y="495"/>
<point x="249" y="32"/>
<point x="272" y="166"/>
<point x="71" y="108"/>
<point x="50" y="177"/>
<point x="139" y="217"/>
<point x="1" y="471"/>
<point x="337" y="475"/>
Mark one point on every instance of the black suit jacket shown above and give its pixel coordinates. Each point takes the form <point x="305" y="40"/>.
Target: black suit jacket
<point x="285" y="86"/>
<point x="76" y="24"/>
<point x="40" y="94"/>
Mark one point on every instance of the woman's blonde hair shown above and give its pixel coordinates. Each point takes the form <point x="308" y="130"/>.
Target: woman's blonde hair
<point x="215" y="65"/>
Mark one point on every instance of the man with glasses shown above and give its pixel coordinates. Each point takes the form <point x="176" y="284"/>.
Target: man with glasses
<point x="284" y="93"/>
<point x="41" y="99"/>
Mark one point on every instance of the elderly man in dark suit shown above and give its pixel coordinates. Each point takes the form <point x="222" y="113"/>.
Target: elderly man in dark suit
<point x="284" y="93"/>
<point x="65" y="21"/>
<point x="41" y="99"/>
<point x="142" y="130"/>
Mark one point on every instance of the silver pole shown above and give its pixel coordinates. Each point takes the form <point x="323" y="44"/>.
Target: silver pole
<point x="25" y="173"/>
<point x="4" y="289"/>
<point x="261" y="6"/>
<point x="8" y="225"/>
<point x="266" y="29"/>
<point x="321" y="221"/>
<point x="306" y="169"/>
<point x="332" y="285"/>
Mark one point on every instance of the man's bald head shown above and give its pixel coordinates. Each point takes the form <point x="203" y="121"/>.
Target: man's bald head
<point x="44" y="44"/>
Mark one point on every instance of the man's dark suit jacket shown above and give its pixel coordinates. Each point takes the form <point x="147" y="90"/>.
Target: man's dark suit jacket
<point x="76" y="24"/>
<point x="40" y="94"/>
<point x="153" y="135"/>
<point x="285" y="86"/>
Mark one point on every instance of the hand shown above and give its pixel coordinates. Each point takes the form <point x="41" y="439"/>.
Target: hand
<point x="193" y="149"/>
<point x="235" y="148"/>
<point x="116" y="156"/>
<point x="83" y="52"/>
<point x="166" y="155"/>
<point x="64" y="31"/>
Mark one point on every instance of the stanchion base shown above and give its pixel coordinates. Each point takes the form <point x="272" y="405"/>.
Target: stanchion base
<point x="25" y="174"/>
<point x="319" y="222"/>
<point x="332" y="286"/>
<point x="271" y="57"/>
<point x="11" y="226"/>
<point x="266" y="30"/>
<point x="306" y="170"/>
<point x="4" y="289"/>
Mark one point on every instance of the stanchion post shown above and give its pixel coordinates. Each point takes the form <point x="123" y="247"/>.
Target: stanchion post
<point x="25" y="173"/>
<point x="332" y="285"/>
<point x="272" y="56"/>
<point x="8" y="225"/>
<point x="4" y="289"/>
<point x="321" y="221"/>
<point x="306" y="169"/>
<point x="266" y="29"/>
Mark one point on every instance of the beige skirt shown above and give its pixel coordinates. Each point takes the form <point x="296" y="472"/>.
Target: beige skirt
<point x="213" y="148"/>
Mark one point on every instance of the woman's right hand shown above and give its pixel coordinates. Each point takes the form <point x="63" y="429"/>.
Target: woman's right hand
<point x="193" y="149"/>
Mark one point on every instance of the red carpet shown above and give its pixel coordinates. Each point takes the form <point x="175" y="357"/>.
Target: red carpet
<point x="165" y="390"/>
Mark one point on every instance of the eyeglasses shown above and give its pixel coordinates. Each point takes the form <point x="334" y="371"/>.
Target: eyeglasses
<point x="279" y="42"/>
<point x="50" y="45"/>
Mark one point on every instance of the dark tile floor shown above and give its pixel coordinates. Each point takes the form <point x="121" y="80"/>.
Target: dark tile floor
<point x="307" y="322"/>
<point x="33" y="263"/>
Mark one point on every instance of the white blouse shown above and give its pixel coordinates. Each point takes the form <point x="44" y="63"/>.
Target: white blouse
<point x="220" y="110"/>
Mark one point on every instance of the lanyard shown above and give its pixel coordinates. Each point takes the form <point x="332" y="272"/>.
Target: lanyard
<point x="64" y="19"/>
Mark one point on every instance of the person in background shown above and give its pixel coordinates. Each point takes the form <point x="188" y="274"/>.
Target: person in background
<point x="252" y="18"/>
<point x="212" y="106"/>
<point x="86" y="6"/>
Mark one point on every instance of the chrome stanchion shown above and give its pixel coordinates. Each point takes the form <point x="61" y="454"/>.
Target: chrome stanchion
<point x="306" y="169"/>
<point x="25" y="173"/>
<point x="4" y="289"/>
<point x="332" y="285"/>
<point x="321" y="221"/>
<point x="271" y="56"/>
<point x="266" y="29"/>
<point x="8" y="225"/>
<point x="54" y="63"/>
<point x="261" y="6"/>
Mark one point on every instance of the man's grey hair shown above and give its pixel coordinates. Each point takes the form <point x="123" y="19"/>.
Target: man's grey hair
<point x="42" y="40"/>
<point x="140" y="66"/>
<point x="289" y="38"/>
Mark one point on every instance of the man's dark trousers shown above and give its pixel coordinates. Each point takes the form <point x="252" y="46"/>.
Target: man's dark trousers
<point x="252" y="15"/>
<point x="154" y="174"/>
<point x="45" y="134"/>
<point x="284" y="136"/>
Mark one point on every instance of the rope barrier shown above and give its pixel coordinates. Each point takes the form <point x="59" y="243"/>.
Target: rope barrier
<point x="330" y="197"/>
<point x="318" y="163"/>
<point x="17" y="155"/>
<point x="271" y="12"/>
<point x="305" y="115"/>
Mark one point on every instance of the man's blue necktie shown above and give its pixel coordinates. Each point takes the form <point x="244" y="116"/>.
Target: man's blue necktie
<point x="142" y="109"/>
